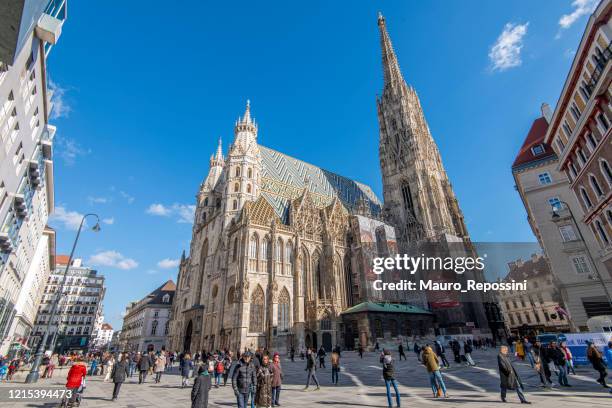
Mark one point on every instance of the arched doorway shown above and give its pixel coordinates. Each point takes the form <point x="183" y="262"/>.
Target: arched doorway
<point x="327" y="341"/>
<point x="187" y="340"/>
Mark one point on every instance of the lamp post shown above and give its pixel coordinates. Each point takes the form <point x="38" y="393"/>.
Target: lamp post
<point x="555" y="217"/>
<point x="33" y="375"/>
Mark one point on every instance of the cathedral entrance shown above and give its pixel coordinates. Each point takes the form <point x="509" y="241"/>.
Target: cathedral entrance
<point x="187" y="340"/>
<point x="327" y="341"/>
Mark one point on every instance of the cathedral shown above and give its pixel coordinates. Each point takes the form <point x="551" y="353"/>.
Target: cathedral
<point x="281" y="252"/>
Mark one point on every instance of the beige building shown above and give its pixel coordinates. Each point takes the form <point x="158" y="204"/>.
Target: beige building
<point x="579" y="133"/>
<point x="543" y="187"/>
<point x="281" y="248"/>
<point x="535" y="310"/>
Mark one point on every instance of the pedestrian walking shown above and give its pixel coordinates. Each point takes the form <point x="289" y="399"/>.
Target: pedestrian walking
<point x="509" y="378"/>
<point x="227" y="366"/>
<point x="265" y="377"/>
<point x="360" y="350"/>
<point x="110" y="362"/>
<point x="244" y="380"/>
<point x="528" y="347"/>
<point x="93" y="367"/>
<point x="389" y="377"/>
<point x="321" y="354"/>
<point x="558" y="357"/>
<point x="292" y="354"/>
<point x="219" y="370"/>
<point x="432" y="364"/>
<point x="400" y="350"/>
<point x="186" y="367"/>
<point x="467" y="350"/>
<point x="596" y="360"/>
<point x="440" y="353"/>
<point x="143" y="368"/>
<point x="335" y="366"/>
<point x="201" y="388"/>
<point x="569" y="358"/>
<point x="417" y="350"/>
<point x="542" y="358"/>
<point x="132" y="367"/>
<point x="75" y="381"/>
<point x="119" y="372"/>
<point x="311" y="368"/>
<point x="160" y="366"/>
<point x="277" y="380"/>
<point x="456" y="351"/>
<point x="376" y="347"/>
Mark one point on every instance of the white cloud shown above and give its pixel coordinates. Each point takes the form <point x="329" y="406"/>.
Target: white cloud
<point x="506" y="52"/>
<point x="151" y="272"/>
<point x="109" y="221"/>
<point x="581" y="8"/>
<point x="68" y="219"/>
<point x="158" y="209"/>
<point x="97" y="200"/>
<point x="127" y="197"/>
<point x="60" y="106"/>
<point x="168" y="263"/>
<point x="183" y="212"/>
<point x="113" y="259"/>
<point x="69" y="150"/>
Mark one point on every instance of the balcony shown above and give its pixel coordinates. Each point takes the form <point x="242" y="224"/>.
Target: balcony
<point x="46" y="141"/>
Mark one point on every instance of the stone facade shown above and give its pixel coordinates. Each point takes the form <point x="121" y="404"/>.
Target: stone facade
<point x="281" y="247"/>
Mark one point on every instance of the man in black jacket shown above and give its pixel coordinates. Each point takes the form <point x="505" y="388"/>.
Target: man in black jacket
<point x="508" y="377"/>
<point x="311" y="367"/>
<point x="143" y="367"/>
<point x="558" y="357"/>
<point x="244" y="380"/>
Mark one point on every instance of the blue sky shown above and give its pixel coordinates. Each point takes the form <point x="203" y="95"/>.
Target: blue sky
<point x="143" y="89"/>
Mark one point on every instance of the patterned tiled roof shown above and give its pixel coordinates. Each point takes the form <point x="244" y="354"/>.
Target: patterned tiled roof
<point x="296" y="175"/>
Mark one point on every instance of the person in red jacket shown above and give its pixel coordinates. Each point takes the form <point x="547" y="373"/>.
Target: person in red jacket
<point x="76" y="374"/>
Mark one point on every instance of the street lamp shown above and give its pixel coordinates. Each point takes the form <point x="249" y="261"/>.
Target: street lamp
<point x="33" y="375"/>
<point x="555" y="217"/>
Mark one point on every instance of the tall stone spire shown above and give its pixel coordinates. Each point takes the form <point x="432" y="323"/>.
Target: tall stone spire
<point x="217" y="159"/>
<point x="391" y="69"/>
<point x="418" y="196"/>
<point x="245" y="130"/>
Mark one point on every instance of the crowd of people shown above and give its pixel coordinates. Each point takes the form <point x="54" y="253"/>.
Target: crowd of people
<point x="256" y="377"/>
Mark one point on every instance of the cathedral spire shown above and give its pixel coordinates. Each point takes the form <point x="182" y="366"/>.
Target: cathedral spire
<point x="391" y="69"/>
<point x="217" y="159"/>
<point x="245" y="125"/>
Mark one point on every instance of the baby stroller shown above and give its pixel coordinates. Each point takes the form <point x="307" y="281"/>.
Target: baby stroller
<point x="74" y="400"/>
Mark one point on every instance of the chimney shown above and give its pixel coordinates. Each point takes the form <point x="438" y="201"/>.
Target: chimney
<point x="546" y="112"/>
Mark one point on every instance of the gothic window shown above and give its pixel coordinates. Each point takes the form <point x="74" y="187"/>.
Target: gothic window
<point x="279" y="254"/>
<point x="205" y="201"/>
<point x="602" y="233"/>
<point x="203" y="217"/>
<point x="585" y="198"/>
<point x="606" y="171"/>
<point x="378" y="328"/>
<point x="215" y="291"/>
<point x="304" y="273"/>
<point x="283" y="310"/>
<point x="250" y="173"/>
<point x="348" y="281"/>
<point x="253" y="249"/>
<point x="154" y="328"/>
<point x="595" y="185"/>
<point x="407" y="196"/>
<point x="256" y="315"/>
<point x="236" y="187"/>
<point x="231" y="295"/>
<point x="249" y="188"/>
<point x="234" y="205"/>
<point x="326" y="323"/>
<point x="237" y="171"/>
<point x="318" y="284"/>
<point x="235" y="250"/>
<point x="289" y="256"/>
<point x="265" y="254"/>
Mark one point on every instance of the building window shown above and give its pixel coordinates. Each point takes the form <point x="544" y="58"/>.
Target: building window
<point x="580" y="265"/>
<point x="555" y="203"/>
<point x="581" y="157"/>
<point x="250" y="173"/>
<point x="289" y="256"/>
<point x="567" y="130"/>
<point x="584" y="90"/>
<point x="283" y="310"/>
<point x="256" y="314"/>
<point x="236" y="187"/>
<point x="166" y="298"/>
<point x="595" y="185"/>
<point x="602" y="123"/>
<point x="407" y="196"/>
<point x="575" y="111"/>
<point x="606" y="171"/>
<point x="602" y="232"/>
<point x="573" y="169"/>
<point x="234" y="205"/>
<point x="567" y="233"/>
<point x="235" y="250"/>
<point x="537" y="149"/>
<point x="248" y="188"/>
<point x="560" y="144"/>
<point x="585" y="198"/>
<point x="154" y="328"/>
<point x="237" y="171"/>
<point x="544" y="178"/>
<point x="591" y="141"/>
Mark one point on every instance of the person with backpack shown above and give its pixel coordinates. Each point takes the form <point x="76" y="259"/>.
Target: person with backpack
<point x="201" y="388"/>
<point x="219" y="370"/>
<point x="389" y="377"/>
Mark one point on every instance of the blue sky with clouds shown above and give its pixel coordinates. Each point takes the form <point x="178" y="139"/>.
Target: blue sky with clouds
<point x="143" y="90"/>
